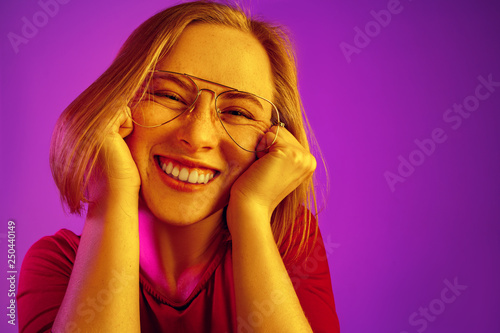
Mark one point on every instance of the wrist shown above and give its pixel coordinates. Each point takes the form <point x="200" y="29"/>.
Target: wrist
<point x="248" y="220"/>
<point x="114" y="204"/>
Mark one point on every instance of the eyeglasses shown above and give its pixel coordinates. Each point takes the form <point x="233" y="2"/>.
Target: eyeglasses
<point x="244" y="116"/>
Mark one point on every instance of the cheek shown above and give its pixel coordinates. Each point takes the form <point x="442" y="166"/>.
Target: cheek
<point x="239" y="165"/>
<point x="138" y="149"/>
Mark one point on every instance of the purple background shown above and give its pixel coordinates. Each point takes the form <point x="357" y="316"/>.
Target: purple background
<point x="393" y="250"/>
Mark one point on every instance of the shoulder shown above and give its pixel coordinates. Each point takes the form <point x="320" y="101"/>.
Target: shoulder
<point x="63" y="238"/>
<point x="56" y="250"/>
<point x="309" y="273"/>
<point x="307" y="255"/>
<point x="301" y="238"/>
<point x="43" y="279"/>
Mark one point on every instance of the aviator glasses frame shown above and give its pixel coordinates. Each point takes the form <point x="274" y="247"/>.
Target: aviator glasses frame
<point x="189" y="108"/>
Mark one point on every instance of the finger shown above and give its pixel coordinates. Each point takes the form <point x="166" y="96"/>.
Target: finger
<point x="265" y="143"/>
<point x="126" y="124"/>
<point x="283" y="139"/>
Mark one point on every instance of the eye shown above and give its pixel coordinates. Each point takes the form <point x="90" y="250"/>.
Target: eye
<point x="170" y="97"/>
<point x="237" y="113"/>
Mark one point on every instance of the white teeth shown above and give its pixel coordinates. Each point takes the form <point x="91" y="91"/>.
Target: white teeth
<point x="169" y="168"/>
<point x="193" y="177"/>
<point x="184" y="174"/>
<point x="175" y="172"/>
<point x="201" y="179"/>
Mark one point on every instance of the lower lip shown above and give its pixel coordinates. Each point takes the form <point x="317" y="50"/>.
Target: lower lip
<point x="177" y="184"/>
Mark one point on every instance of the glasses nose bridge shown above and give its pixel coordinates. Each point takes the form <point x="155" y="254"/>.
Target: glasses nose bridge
<point x="200" y="90"/>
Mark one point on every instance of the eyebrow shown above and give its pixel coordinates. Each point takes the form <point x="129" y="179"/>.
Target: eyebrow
<point x="234" y="94"/>
<point x="229" y="94"/>
<point x="173" y="78"/>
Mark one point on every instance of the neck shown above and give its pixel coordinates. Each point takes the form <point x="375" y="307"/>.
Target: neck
<point x="173" y="258"/>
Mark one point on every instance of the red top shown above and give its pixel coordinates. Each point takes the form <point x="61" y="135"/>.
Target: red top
<point x="47" y="267"/>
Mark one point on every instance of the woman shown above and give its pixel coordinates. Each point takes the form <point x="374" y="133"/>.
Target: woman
<point x="193" y="143"/>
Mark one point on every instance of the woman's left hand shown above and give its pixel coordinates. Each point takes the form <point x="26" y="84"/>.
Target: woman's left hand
<point x="275" y="174"/>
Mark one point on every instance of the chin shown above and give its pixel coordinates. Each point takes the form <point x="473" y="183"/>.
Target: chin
<point x="180" y="212"/>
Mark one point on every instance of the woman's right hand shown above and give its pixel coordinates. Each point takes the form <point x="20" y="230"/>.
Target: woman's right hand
<point x="115" y="173"/>
<point x="109" y="244"/>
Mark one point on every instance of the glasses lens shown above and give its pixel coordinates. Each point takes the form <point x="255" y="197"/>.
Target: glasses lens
<point x="163" y="97"/>
<point x="245" y="117"/>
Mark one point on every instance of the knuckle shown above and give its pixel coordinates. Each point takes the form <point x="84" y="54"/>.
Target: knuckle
<point x="314" y="163"/>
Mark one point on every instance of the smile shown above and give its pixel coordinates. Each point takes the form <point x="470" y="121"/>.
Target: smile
<point x="185" y="174"/>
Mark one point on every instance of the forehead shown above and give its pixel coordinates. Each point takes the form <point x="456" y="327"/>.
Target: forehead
<point x="224" y="55"/>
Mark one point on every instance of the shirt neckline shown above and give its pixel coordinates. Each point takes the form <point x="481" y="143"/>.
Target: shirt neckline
<point x="207" y="274"/>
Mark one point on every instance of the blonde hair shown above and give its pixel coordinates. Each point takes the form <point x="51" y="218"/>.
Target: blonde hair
<point x="80" y="130"/>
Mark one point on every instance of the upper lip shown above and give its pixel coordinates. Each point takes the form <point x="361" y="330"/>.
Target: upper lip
<point x="188" y="162"/>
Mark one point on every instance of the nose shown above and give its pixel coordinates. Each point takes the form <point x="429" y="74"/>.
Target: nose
<point x="200" y="129"/>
